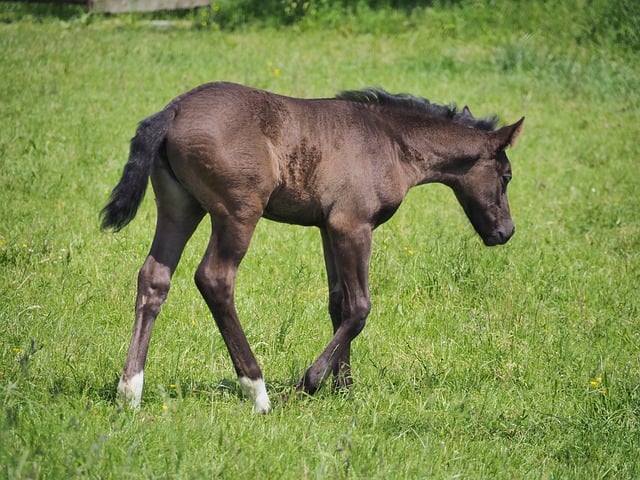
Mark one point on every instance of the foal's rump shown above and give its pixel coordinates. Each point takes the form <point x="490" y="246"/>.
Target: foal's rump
<point x="217" y="151"/>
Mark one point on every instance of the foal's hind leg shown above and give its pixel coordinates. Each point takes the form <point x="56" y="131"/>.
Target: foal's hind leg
<point x="178" y="217"/>
<point x="215" y="279"/>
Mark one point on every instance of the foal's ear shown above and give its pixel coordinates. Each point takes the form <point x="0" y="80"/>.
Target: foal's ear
<point x="466" y="113"/>
<point x="507" y="136"/>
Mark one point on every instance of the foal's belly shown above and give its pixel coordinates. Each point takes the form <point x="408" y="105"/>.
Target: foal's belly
<point x="292" y="207"/>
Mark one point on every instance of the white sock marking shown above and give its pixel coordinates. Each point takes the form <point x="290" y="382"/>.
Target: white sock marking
<point x="257" y="393"/>
<point x="131" y="390"/>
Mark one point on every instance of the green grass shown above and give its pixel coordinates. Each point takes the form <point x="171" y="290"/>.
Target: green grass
<point x="517" y="361"/>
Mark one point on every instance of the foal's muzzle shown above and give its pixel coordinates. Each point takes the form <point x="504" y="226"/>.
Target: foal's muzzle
<point x="500" y="235"/>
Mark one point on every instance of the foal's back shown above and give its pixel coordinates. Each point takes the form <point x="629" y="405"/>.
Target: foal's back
<point x="294" y="159"/>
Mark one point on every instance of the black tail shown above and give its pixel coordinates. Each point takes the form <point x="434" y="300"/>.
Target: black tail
<point x="128" y="194"/>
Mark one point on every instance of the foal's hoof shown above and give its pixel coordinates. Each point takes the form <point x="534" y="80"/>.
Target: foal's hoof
<point x="256" y="391"/>
<point x="306" y="386"/>
<point x="130" y="390"/>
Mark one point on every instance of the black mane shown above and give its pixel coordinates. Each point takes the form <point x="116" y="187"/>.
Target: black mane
<point x="378" y="96"/>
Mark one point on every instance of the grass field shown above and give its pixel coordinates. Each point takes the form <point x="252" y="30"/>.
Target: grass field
<point x="519" y="361"/>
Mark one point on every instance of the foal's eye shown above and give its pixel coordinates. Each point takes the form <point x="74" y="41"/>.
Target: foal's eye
<point x="506" y="179"/>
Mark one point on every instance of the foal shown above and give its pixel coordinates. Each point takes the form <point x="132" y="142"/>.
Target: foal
<point x="343" y="165"/>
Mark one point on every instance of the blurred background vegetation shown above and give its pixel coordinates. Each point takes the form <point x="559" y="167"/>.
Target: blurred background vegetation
<point x="601" y="21"/>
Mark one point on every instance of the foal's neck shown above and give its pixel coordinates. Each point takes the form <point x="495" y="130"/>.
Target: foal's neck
<point x="440" y="150"/>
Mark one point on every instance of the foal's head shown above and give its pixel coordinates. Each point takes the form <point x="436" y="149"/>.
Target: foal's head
<point x="481" y="187"/>
<point x="477" y="167"/>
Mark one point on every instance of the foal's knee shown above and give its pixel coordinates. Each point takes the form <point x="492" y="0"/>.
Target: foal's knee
<point x="356" y="319"/>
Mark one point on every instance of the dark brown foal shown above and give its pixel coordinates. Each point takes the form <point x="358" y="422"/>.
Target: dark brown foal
<point x="343" y="165"/>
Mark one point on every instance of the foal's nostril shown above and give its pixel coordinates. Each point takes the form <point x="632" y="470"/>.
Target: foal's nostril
<point x="506" y="233"/>
<point x="501" y="235"/>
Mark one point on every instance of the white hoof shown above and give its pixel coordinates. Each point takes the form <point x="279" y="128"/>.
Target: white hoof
<point x="257" y="393"/>
<point x="130" y="389"/>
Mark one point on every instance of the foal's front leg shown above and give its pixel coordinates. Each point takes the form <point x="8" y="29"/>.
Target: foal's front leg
<point x="351" y="249"/>
<point x="342" y="373"/>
